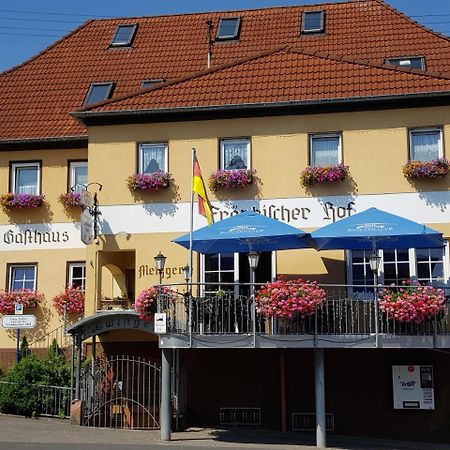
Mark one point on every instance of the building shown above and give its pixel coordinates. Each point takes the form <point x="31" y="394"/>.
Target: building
<point x="275" y="90"/>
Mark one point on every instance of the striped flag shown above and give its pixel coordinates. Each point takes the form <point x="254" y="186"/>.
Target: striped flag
<point x="198" y="187"/>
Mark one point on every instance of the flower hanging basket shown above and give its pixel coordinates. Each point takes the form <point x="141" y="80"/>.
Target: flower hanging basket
<point x="26" y="297"/>
<point x="20" y="201"/>
<point x="149" y="181"/>
<point x="146" y="302"/>
<point x="412" y="303"/>
<point x="70" y="199"/>
<point x="230" y="179"/>
<point x="318" y="174"/>
<point x="426" y="169"/>
<point x="289" y="299"/>
<point x="72" y="299"/>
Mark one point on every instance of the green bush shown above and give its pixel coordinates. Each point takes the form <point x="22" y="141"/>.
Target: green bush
<point x="20" y="395"/>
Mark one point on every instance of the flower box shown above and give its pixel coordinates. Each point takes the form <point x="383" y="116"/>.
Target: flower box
<point x="20" y="201"/>
<point x="289" y="299"/>
<point x="230" y="179"/>
<point x="149" y="181"/>
<point x="146" y="303"/>
<point x="320" y="174"/>
<point x="26" y="297"/>
<point x="70" y="199"/>
<point x="426" y="169"/>
<point x="412" y="303"/>
<point x="114" y="303"/>
<point x="71" y="299"/>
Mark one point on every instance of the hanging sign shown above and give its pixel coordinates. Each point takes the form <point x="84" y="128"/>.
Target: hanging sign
<point x="19" y="321"/>
<point x="87" y="227"/>
<point x="413" y="387"/>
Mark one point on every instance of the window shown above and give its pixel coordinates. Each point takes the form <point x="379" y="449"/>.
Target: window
<point x="313" y="22"/>
<point x="325" y="149"/>
<point x="228" y="28"/>
<point x="234" y="154"/>
<point x="150" y="83"/>
<point x="98" y="92"/>
<point x="219" y="268"/>
<point x="397" y="265"/>
<point x="152" y="158"/>
<point x="78" y="175"/>
<point x="430" y="265"/>
<point x="416" y="62"/>
<point x="124" y="35"/>
<point x="25" y="178"/>
<point x="425" y="144"/>
<point x="77" y="275"/>
<point x="22" y="277"/>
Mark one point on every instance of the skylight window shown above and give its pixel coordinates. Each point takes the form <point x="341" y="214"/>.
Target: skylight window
<point x="415" y="62"/>
<point x="313" y="22"/>
<point x="98" y="92"/>
<point x="228" y="28"/>
<point x="152" y="82"/>
<point x="124" y="35"/>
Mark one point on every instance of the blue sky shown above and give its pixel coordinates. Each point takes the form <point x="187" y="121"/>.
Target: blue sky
<point x="28" y="26"/>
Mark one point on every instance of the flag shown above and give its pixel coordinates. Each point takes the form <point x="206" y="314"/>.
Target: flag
<point x="198" y="187"/>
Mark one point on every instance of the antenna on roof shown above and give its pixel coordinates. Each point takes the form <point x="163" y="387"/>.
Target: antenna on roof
<point x="210" y="41"/>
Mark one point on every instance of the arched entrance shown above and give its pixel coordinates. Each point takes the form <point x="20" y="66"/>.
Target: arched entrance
<point x="119" y="391"/>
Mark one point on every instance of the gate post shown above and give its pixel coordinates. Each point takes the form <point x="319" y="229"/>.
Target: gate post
<point x="165" y="410"/>
<point x="319" y="366"/>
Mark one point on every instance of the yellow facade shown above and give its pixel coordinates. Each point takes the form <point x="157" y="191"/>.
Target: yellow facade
<point x="374" y="146"/>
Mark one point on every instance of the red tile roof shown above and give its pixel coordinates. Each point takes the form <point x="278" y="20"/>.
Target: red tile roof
<point x="282" y="76"/>
<point x="38" y="95"/>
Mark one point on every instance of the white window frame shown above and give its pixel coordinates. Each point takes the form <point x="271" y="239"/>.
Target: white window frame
<point x="335" y="134"/>
<point x="141" y="148"/>
<point x="72" y="166"/>
<point x="321" y="29"/>
<point x="412" y="131"/>
<point x="18" y="165"/>
<point x="236" y="141"/>
<point x="412" y="268"/>
<point x="73" y="265"/>
<point x="13" y="267"/>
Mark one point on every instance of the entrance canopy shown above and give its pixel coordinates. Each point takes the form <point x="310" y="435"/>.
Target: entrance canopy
<point x="374" y="228"/>
<point x="246" y="232"/>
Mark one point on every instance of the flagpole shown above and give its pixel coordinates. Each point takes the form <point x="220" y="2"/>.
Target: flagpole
<point x="191" y="227"/>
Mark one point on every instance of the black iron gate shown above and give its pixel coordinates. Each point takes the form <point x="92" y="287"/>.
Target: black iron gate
<point x="121" y="392"/>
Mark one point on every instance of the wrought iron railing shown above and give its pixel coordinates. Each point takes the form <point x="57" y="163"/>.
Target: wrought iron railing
<point x="341" y="314"/>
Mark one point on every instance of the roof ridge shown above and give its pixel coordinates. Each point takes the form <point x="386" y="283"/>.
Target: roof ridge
<point x="187" y="77"/>
<point x="46" y="49"/>
<point x="369" y="63"/>
<point x="225" y="11"/>
<point x="412" y="21"/>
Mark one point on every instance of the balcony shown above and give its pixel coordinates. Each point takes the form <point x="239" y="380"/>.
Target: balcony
<point x="229" y="320"/>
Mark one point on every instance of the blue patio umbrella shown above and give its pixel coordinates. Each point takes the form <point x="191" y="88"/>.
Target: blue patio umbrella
<point x="245" y="232"/>
<point x="375" y="229"/>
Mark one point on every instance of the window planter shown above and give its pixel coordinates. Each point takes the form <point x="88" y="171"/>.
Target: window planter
<point x="149" y="181"/>
<point x="230" y="179"/>
<point x="70" y="199"/>
<point x="426" y="169"/>
<point x="146" y="303"/>
<point x="289" y="299"/>
<point x="320" y="174"/>
<point x="26" y="297"/>
<point x="21" y="201"/>
<point x="73" y="300"/>
<point x="114" y="303"/>
<point x="412" y="303"/>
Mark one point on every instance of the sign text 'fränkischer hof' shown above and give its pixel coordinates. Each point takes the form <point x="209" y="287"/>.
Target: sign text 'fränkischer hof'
<point x="19" y="321"/>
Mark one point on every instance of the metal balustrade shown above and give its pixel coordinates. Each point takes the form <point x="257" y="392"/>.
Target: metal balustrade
<point x="340" y="314"/>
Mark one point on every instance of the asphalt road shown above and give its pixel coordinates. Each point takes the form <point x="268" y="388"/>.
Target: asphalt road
<point x="19" y="433"/>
